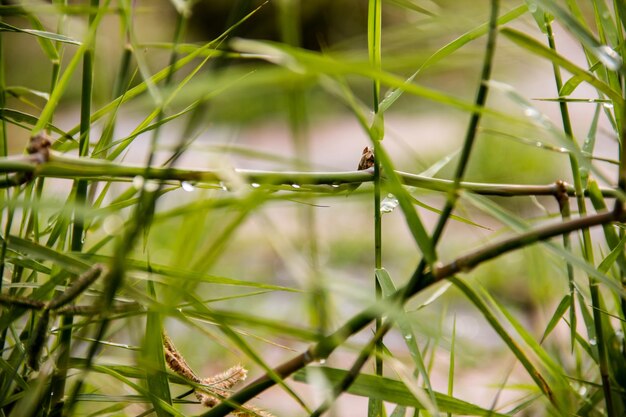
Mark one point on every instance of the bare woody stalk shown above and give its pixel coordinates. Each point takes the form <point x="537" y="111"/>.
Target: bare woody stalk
<point x="327" y="345"/>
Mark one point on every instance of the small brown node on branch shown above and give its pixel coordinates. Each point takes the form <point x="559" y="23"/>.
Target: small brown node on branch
<point x="561" y="195"/>
<point x="39" y="148"/>
<point x="367" y="159"/>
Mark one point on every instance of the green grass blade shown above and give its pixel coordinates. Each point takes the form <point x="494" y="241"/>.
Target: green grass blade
<point x="539" y="49"/>
<point x="156" y="373"/>
<point x="563" y="306"/>
<point x="449" y="49"/>
<point x="47" y="113"/>
<point x="5" y="27"/>
<point x="410" y="338"/>
<point x="396" y="392"/>
<point x="611" y="60"/>
<point x="513" y="346"/>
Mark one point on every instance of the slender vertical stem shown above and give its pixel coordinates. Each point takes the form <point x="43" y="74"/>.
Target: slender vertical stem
<point x="587" y="243"/>
<point x="3" y="149"/>
<point x="80" y="187"/>
<point x="564" y="207"/>
<point x="417" y="280"/>
<point x="374" y="44"/>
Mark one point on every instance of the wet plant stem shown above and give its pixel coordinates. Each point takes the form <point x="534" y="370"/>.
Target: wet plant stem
<point x="375" y="407"/>
<point x="69" y="167"/>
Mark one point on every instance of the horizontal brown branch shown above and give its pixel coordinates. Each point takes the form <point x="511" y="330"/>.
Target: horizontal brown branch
<point x="464" y="263"/>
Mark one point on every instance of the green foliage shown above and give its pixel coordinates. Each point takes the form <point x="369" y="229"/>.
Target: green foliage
<point x="134" y="215"/>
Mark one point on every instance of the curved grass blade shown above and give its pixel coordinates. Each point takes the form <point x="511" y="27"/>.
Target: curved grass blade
<point x="393" y="391"/>
<point x="513" y="346"/>
<point x="604" y="53"/>
<point x="5" y="27"/>
<point x="450" y="48"/>
<point x="156" y="373"/>
<point x="563" y="306"/>
<point x="539" y="49"/>
<point x="410" y="339"/>
<point x="27" y="121"/>
<point x="46" y="115"/>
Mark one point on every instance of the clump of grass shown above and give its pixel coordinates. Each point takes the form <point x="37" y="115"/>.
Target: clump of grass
<point x="95" y="270"/>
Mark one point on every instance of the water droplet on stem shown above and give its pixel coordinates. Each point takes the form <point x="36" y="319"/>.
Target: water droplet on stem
<point x="389" y="204"/>
<point x="609" y="58"/>
<point x="187" y="186"/>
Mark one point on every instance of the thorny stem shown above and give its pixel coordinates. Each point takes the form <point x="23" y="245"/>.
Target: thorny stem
<point x="57" y="166"/>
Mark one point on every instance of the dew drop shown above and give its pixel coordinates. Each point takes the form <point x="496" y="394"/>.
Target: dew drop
<point x="335" y="185"/>
<point x="138" y="182"/>
<point x="532" y="7"/>
<point x="532" y="112"/>
<point x="187" y="186"/>
<point x="582" y="391"/>
<point x="539" y="144"/>
<point x="255" y="185"/>
<point x="593" y="342"/>
<point x="607" y="105"/>
<point x="322" y="361"/>
<point x="608" y="57"/>
<point x="296" y="186"/>
<point x="223" y="186"/>
<point x="389" y="204"/>
<point x="408" y="337"/>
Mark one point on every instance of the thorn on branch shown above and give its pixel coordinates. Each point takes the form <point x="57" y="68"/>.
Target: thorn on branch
<point x="561" y="195"/>
<point x="38" y="150"/>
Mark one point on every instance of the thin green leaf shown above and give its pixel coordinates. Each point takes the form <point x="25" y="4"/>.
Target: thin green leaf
<point x="513" y="346"/>
<point x="37" y="251"/>
<point x="410" y="339"/>
<point x="565" y="303"/>
<point x="452" y="216"/>
<point x="62" y="84"/>
<point x="396" y="392"/>
<point x="27" y="121"/>
<point x="408" y="4"/>
<point x="5" y="27"/>
<point x="604" y="53"/>
<point x="450" y="48"/>
<point x="156" y="373"/>
<point x="610" y="259"/>
<point x="539" y="49"/>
